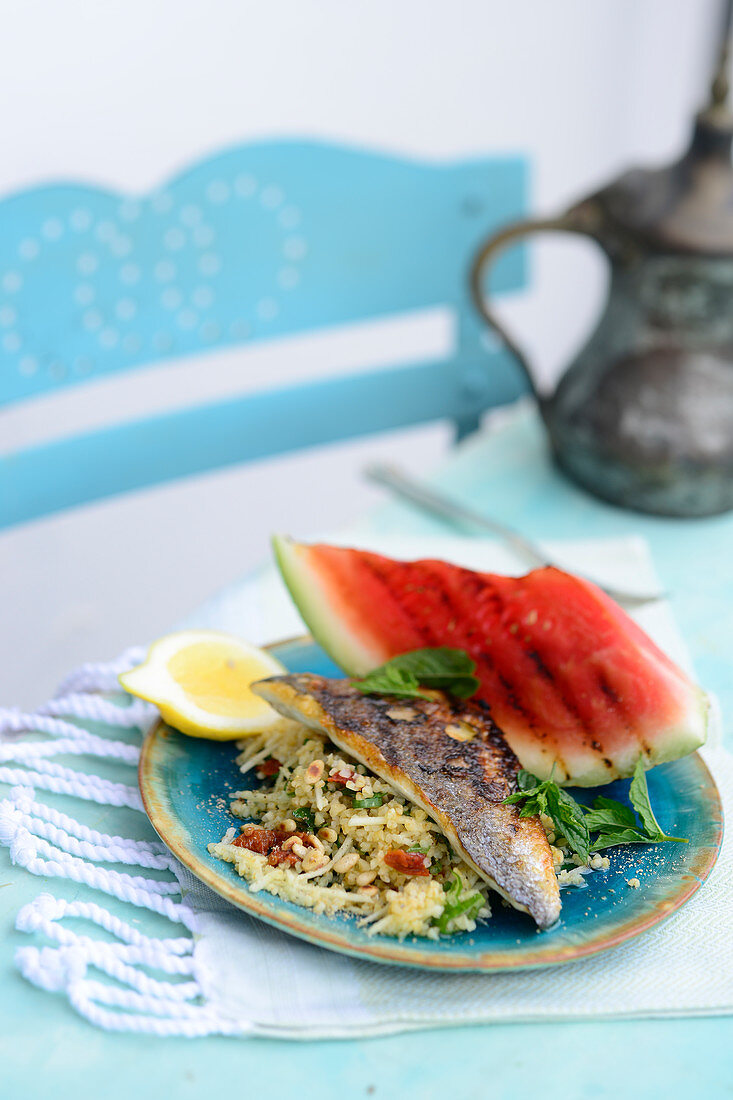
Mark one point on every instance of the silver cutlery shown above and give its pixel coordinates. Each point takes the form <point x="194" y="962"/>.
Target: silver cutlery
<point x="442" y="506"/>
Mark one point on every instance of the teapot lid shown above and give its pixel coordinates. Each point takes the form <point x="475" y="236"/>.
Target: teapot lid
<point x="688" y="205"/>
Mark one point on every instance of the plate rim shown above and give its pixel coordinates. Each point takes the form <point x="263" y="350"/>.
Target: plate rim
<point x="384" y="950"/>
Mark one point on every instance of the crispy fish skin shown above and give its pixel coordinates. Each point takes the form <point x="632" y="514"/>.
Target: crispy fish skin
<point x="461" y="783"/>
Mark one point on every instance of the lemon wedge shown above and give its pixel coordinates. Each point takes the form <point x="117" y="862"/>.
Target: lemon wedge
<point x="200" y="682"/>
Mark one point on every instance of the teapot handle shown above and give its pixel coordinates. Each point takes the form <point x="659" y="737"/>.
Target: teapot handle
<point x="582" y="219"/>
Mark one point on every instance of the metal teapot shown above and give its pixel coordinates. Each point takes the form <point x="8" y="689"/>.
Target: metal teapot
<point x="643" y="416"/>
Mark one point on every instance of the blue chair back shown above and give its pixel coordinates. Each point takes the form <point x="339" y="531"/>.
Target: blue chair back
<point x="259" y="242"/>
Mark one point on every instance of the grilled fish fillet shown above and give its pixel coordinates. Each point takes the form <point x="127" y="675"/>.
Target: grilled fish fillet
<point x="446" y="756"/>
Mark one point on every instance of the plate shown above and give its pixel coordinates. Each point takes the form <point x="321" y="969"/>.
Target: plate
<point x="186" y="784"/>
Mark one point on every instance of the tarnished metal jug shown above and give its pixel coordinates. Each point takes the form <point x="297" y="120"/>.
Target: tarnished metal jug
<point x="643" y="416"/>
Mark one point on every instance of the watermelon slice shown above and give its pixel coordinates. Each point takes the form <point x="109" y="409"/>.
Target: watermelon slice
<point x="578" y="689"/>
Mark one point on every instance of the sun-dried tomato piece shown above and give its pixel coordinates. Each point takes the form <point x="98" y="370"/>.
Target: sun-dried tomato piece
<point x="342" y="778"/>
<point x="277" y="857"/>
<point x="408" y="863"/>
<point x="271" y="766"/>
<point x="269" y="842"/>
<point x="257" y="840"/>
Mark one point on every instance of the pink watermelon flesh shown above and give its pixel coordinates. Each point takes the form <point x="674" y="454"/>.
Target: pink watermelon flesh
<point x="578" y="689"/>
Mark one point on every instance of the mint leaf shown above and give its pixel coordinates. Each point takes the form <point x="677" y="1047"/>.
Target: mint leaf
<point x="390" y="681"/>
<point x="534" y="801"/>
<point x="612" y="811"/>
<point x="440" y="667"/>
<point x="613" y="822"/>
<point x="526" y="781"/>
<point x="619" y="816"/>
<point x="639" y="795"/>
<point x="548" y="798"/>
<point x="571" y="815"/>
<point x="620" y="836"/>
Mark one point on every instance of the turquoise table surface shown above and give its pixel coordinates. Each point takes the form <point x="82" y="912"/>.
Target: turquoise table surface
<point x="47" y="1050"/>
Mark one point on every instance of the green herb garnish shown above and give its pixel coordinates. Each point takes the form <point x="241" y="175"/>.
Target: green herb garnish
<point x="453" y="887"/>
<point x="545" y="797"/>
<point x="368" y="803"/>
<point x="417" y="848"/>
<point x="612" y="822"/>
<point x="453" y="906"/>
<point x="441" y="667"/>
<point x="616" y="823"/>
<point x="305" y="817"/>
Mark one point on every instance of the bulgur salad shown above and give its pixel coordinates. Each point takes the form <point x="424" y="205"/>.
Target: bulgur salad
<point x="322" y="831"/>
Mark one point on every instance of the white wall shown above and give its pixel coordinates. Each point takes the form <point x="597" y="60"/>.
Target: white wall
<point x="125" y="92"/>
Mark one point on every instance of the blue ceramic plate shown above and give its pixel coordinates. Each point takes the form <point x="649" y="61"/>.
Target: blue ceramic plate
<point x="186" y="784"/>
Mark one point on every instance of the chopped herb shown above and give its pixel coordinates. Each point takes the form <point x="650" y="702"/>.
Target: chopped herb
<point x="612" y="822"/>
<point x="455" y="907"/>
<point x="306" y="817"/>
<point x="440" y="667"/>
<point x="453" y="887"/>
<point x="417" y="848"/>
<point x="469" y="905"/>
<point x="368" y="803"/>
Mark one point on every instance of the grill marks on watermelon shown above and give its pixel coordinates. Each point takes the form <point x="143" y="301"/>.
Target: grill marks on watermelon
<point x="528" y="661"/>
<point x="430" y="604"/>
<point x="516" y="681"/>
<point x="579" y="690"/>
<point x="424" y="604"/>
<point x="355" y="582"/>
<point x="567" y="675"/>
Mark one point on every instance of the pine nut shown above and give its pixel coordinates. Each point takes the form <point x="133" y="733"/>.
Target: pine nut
<point x="365" y="878"/>
<point x="329" y="835"/>
<point x="289" y="825"/>
<point x="313" y="859"/>
<point x="314" y="771"/>
<point x="370" y="891"/>
<point x="460" y="731"/>
<point x="346" y="863"/>
<point x="401" y="714"/>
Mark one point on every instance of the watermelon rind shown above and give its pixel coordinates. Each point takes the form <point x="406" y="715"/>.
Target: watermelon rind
<point x="316" y="610"/>
<point x="672" y="743"/>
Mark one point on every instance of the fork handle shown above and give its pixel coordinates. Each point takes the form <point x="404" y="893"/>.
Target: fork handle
<point x="441" y="506"/>
<point x="444" y="508"/>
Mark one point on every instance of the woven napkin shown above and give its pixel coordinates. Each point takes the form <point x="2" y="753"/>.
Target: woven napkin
<point x="267" y="982"/>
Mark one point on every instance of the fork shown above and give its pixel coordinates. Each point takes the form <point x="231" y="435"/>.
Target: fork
<point x="390" y="477"/>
